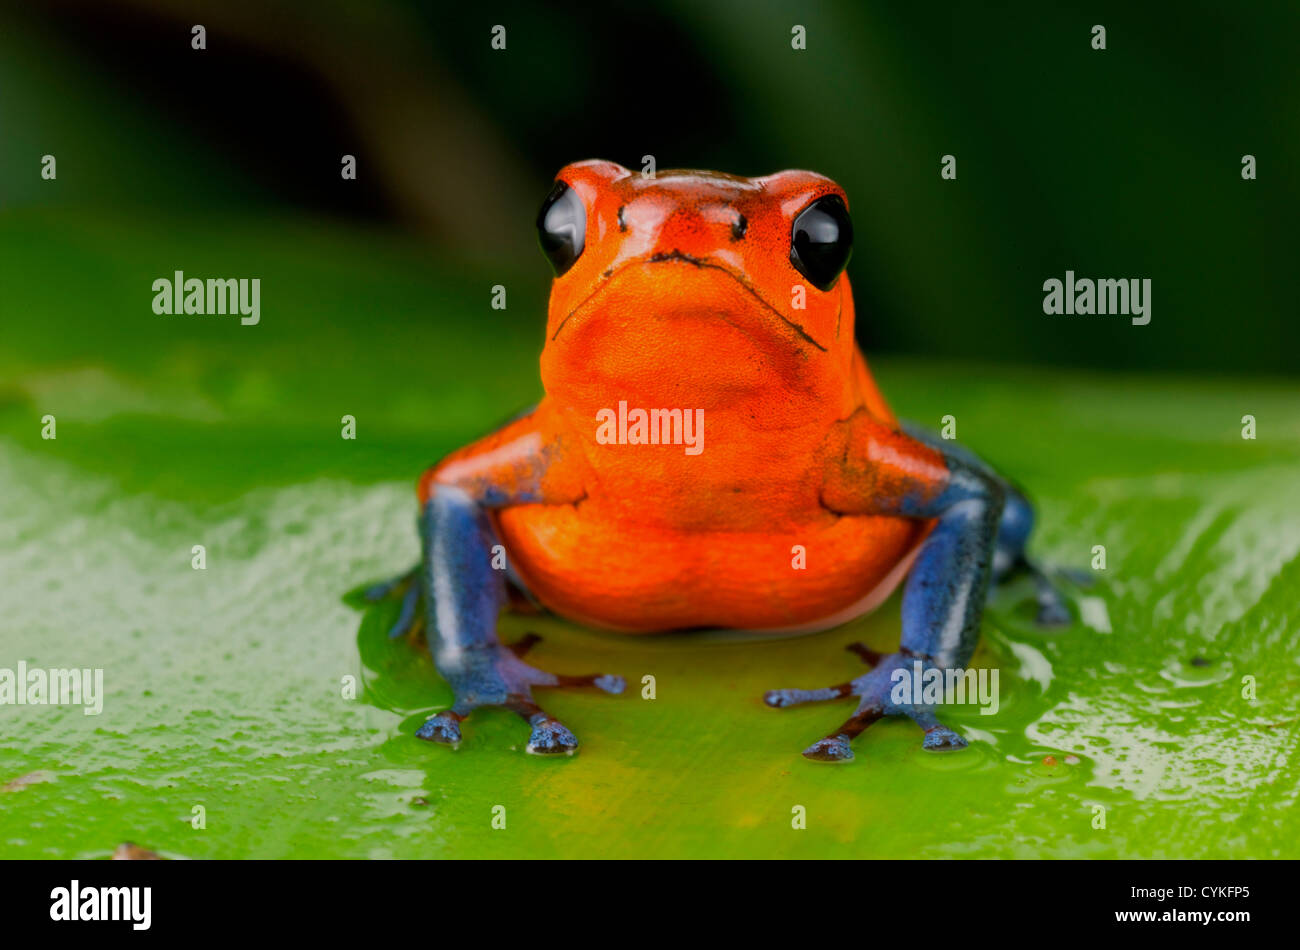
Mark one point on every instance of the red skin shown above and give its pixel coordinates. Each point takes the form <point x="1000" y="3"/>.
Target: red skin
<point x="799" y="445"/>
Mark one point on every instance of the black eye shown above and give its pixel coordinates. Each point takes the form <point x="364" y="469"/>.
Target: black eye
<point x="821" y="241"/>
<point x="561" y="227"/>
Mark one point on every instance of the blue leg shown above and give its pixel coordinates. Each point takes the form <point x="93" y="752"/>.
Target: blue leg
<point x="458" y="591"/>
<point x="407" y="587"/>
<point x="1009" y="557"/>
<point x="463" y="595"/>
<point x="943" y="601"/>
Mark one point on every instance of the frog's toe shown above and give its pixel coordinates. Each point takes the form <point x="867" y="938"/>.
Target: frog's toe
<point x="614" y="685"/>
<point x="942" y="739"/>
<point x="938" y="737"/>
<point x="549" y="735"/>
<point x="1053" y="610"/>
<point x="834" y="748"/>
<point x="784" y="698"/>
<point x="1053" y="613"/>
<point x="443" y="728"/>
<point x="605" y="682"/>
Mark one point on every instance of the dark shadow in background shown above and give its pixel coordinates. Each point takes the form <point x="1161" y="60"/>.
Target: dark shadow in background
<point x="1122" y="163"/>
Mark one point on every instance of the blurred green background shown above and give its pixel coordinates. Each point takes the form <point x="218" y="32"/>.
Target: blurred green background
<point x="1119" y="163"/>
<point x="224" y="685"/>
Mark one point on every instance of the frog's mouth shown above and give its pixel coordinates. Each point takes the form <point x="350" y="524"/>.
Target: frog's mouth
<point x="676" y="258"/>
<point x="668" y="331"/>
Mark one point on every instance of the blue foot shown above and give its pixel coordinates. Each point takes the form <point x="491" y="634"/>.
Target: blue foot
<point x="443" y="728"/>
<point x="942" y="739"/>
<point x="550" y="737"/>
<point x="831" y="749"/>
<point x="877" y="699"/>
<point x="609" y="684"/>
<point x="496" y="675"/>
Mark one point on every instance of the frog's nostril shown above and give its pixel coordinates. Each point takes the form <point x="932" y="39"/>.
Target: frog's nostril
<point x="738" y="227"/>
<point x="622" y="224"/>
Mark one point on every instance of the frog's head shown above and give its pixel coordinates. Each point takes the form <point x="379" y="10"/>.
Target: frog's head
<point x="694" y="287"/>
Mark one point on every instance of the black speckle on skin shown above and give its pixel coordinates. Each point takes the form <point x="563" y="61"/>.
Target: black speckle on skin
<point x="608" y="271"/>
<point x="738" y="227"/>
<point x="1200" y="661"/>
<point x="622" y="225"/>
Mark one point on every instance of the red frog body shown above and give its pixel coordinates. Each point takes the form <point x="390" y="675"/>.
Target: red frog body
<point x="711" y="451"/>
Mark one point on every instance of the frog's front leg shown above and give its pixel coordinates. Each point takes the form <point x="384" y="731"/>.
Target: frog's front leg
<point x="1009" y="557"/>
<point x="462" y="594"/>
<point x="878" y="471"/>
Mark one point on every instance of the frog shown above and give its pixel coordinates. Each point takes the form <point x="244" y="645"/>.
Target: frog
<point x="800" y="503"/>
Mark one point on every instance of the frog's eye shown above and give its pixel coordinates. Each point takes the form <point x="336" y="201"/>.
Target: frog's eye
<point x="821" y="241"/>
<point x="561" y="227"/>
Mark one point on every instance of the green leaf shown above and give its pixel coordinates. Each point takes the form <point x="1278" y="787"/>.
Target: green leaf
<point x="224" y="686"/>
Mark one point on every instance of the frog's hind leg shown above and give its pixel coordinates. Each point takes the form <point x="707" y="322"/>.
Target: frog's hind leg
<point x="407" y="587"/>
<point x="1010" y="560"/>
<point x="1016" y="525"/>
